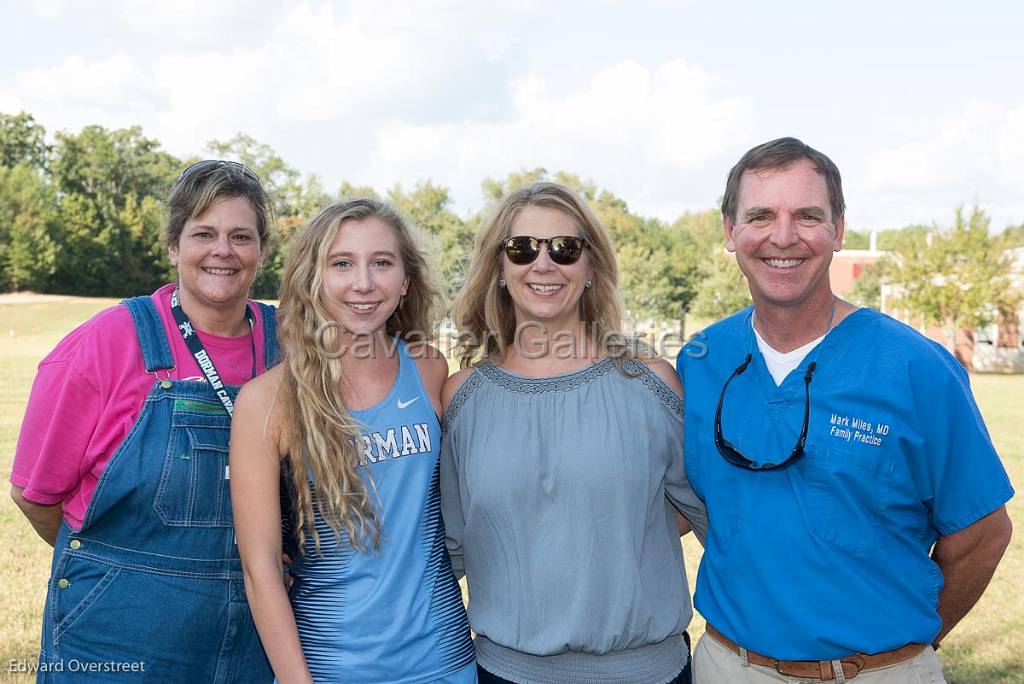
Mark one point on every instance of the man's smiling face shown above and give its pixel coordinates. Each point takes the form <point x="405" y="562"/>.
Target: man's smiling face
<point x="784" y="235"/>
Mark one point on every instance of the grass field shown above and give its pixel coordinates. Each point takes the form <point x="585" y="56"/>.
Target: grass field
<point x="980" y="650"/>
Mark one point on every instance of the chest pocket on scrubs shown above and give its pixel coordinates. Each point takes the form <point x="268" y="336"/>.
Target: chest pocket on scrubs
<point x="847" y="493"/>
<point x="194" y="489"/>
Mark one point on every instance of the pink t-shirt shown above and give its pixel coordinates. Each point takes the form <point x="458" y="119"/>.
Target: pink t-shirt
<point x="90" y="391"/>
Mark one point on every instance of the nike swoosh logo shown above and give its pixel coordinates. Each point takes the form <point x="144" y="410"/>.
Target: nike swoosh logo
<point x="403" y="404"/>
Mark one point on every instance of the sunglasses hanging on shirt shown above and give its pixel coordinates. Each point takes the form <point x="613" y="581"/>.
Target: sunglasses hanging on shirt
<point x="733" y="455"/>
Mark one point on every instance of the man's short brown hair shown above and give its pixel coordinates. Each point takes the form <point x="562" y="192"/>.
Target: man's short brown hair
<point x="780" y="154"/>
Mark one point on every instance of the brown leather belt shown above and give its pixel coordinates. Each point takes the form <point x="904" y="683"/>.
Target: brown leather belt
<point x="852" y="665"/>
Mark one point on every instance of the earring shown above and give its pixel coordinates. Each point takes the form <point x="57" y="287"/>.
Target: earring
<point x="589" y="283"/>
<point x="501" y="282"/>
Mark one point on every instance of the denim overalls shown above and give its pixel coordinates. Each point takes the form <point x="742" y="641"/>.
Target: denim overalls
<point x="151" y="587"/>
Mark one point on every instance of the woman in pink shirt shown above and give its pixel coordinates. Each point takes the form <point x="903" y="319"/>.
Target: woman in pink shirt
<point x="121" y="462"/>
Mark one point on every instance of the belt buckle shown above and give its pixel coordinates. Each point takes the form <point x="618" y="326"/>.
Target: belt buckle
<point x="856" y="661"/>
<point x="851" y="666"/>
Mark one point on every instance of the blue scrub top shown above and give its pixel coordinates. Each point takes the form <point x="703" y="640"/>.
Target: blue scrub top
<point x="830" y="556"/>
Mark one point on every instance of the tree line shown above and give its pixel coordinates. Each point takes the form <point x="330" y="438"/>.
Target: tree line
<point x="84" y="215"/>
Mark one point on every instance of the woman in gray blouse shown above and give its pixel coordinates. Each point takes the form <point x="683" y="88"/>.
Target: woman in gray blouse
<point x="562" y="460"/>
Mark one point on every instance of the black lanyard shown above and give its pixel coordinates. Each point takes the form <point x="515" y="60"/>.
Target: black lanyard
<point x="195" y="345"/>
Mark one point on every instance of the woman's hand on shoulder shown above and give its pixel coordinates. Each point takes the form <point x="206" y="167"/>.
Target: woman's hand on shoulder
<point x="664" y="370"/>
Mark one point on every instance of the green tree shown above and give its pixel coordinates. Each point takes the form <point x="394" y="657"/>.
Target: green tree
<point x="657" y="266"/>
<point x="348" y="190"/>
<point x="721" y="287"/>
<point x="703" y="227"/>
<point x="143" y="258"/>
<point x="29" y="234"/>
<point x="281" y="181"/>
<point x="295" y="199"/>
<point x="450" y="240"/>
<point x="1012" y="237"/>
<point x="110" y="184"/>
<point x="894" y="239"/>
<point x="867" y="289"/>
<point x="855" y="239"/>
<point x="293" y="194"/>
<point x="82" y="268"/>
<point x="494" y="189"/>
<point x="22" y="141"/>
<point x="302" y="202"/>
<point x="29" y="231"/>
<point x="109" y="166"/>
<point x="957" y="278"/>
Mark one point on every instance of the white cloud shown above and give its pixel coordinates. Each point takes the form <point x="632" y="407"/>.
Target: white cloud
<point x="384" y="92"/>
<point x="332" y="78"/>
<point x="977" y="156"/>
<point x="313" y="67"/>
<point x="641" y="132"/>
<point x="48" y="9"/>
<point x="78" y="92"/>
<point x="185" y="20"/>
<point x="180" y="25"/>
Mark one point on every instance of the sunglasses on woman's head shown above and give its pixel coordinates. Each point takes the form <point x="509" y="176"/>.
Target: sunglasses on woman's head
<point x="208" y="164"/>
<point x="563" y="249"/>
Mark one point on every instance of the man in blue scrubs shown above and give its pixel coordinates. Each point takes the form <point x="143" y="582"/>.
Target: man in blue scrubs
<point x="855" y="499"/>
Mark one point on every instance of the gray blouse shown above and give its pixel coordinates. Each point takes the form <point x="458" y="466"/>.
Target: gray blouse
<point x="556" y="498"/>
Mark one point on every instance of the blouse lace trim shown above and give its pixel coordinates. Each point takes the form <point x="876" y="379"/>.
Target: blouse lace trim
<point x="672" y="401"/>
<point x="559" y="383"/>
<point x="461" y="395"/>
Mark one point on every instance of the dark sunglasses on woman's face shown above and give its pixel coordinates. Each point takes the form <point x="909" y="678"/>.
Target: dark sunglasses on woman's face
<point x="563" y="249"/>
<point x="208" y="164"/>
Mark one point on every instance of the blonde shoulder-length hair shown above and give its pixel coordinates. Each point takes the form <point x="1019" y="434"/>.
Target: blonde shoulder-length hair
<point x="483" y="310"/>
<point x="320" y="434"/>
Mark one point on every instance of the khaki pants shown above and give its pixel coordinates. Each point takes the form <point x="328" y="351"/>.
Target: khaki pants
<point x="713" y="663"/>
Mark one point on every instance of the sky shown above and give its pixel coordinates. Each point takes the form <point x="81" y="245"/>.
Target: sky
<point x="920" y="104"/>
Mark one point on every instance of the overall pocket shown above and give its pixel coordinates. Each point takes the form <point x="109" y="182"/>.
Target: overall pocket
<point x="847" y="495"/>
<point x="173" y="627"/>
<point x="77" y="589"/>
<point x="194" y="489"/>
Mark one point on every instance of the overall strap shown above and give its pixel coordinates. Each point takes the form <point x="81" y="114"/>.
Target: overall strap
<point x="270" y="348"/>
<point x="156" y="352"/>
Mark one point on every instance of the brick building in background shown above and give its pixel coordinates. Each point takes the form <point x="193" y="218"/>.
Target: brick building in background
<point x="998" y="347"/>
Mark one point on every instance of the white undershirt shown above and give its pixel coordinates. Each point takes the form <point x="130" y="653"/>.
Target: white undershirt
<point x="781" y="363"/>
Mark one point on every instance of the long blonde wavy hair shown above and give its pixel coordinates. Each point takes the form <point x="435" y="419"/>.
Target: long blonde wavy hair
<point x="321" y="436"/>
<point x="483" y="311"/>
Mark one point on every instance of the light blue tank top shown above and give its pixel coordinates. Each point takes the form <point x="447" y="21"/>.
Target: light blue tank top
<point x="396" y="615"/>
